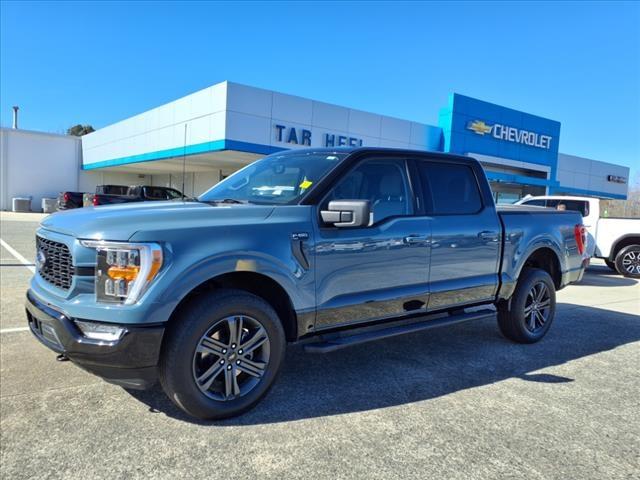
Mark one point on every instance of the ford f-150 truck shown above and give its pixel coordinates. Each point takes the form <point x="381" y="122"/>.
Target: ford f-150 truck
<point x="615" y="240"/>
<point x="327" y="248"/>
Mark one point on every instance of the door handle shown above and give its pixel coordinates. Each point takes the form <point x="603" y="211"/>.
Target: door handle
<point x="488" y="236"/>
<point x="413" y="239"/>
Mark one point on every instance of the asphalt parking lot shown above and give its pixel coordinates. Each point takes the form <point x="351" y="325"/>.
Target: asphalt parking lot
<point x="459" y="402"/>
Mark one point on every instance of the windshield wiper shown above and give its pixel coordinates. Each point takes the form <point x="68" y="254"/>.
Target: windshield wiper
<point x="229" y="200"/>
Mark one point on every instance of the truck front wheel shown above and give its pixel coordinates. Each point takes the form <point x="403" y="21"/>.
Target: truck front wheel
<point x="628" y="261"/>
<point x="222" y="354"/>
<point x="526" y="318"/>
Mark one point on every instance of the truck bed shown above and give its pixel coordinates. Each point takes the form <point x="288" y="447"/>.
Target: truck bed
<point x="527" y="229"/>
<point x="508" y="209"/>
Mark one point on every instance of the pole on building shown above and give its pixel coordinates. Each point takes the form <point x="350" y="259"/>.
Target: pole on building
<point x="184" y="159"/>
<point x="15" y="116"/>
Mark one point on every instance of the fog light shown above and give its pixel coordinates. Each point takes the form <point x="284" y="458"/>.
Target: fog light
<point x="100" y="331"/>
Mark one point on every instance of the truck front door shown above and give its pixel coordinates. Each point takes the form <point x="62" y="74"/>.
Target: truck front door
<point x="381" y="270"/>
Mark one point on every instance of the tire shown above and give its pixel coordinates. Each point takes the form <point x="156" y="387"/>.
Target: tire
<point x="517" y="324"/>
<point x="200" y="343"/>
<point x="628" y="261"/>
<point x="611" y="265"/>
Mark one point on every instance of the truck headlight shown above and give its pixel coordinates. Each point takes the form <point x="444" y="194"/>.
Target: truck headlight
<point x="124" y="270"/>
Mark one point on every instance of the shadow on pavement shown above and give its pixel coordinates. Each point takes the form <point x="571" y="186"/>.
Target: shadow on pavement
<point x="422" y="366"/>
<point x="602" y="276"/>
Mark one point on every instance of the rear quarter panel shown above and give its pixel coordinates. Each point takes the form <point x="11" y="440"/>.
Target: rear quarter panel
<point x="528" y="229"/>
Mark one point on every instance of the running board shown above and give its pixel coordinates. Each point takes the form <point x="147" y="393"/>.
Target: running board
<point x="332" y="344"/>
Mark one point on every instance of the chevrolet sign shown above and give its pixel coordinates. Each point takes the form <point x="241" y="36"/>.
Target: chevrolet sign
<point x="510" y="134"/>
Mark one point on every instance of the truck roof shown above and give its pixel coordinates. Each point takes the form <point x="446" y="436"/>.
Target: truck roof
<point x="350" y="150"/>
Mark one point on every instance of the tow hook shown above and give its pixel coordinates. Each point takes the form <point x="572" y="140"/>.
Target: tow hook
<point x="62" y="358"/>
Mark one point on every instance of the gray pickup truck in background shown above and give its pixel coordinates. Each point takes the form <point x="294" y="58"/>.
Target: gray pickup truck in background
<point x="111" y="194"/>
<point x="324" y="247"/>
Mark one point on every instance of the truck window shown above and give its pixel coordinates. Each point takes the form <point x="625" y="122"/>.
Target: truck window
<point x="155" y="193"/>
<point x="572" y="205"/>
<point x="382" y="182"/>
<point x="112" y="189"/>
<point x="449" y="188"/>
<point x="535" y="203"/>
<point x="281" y="178"/>
<point x="173" y="194"/>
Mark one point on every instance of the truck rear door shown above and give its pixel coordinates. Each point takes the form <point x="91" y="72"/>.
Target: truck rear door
<point x="466" y="233"/>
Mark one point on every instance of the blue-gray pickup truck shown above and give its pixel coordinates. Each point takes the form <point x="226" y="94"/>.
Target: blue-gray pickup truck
<point x="322" y="247"/>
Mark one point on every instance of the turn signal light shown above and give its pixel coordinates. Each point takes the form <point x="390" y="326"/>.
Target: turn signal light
<point x="123" y="273"/>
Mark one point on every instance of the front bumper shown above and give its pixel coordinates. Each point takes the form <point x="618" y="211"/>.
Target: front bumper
<point x="130" y="361"/>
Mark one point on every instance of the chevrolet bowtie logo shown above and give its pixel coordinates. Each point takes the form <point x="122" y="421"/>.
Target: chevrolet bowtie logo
<point x="479" y="127"/>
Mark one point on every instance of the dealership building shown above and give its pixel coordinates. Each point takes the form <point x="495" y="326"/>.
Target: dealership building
<point x="213" y="132"/>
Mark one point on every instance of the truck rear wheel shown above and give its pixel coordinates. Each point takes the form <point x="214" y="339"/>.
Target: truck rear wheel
<point x="628" y="261"/>
<point x="222" y="354"/>
<point x="527" y="316"/>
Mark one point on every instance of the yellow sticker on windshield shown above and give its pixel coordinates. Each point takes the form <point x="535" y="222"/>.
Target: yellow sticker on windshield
<point x="306" y="184"/>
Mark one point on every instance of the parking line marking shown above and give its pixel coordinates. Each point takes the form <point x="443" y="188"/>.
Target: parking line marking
<point x="18" y="257"/>
<point x="16" y="329"/>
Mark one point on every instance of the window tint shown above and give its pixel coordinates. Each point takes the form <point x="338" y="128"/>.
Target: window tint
<point x="112" y="189"/>
<point x="535" y="203"/>
<point x="449" y="188"/>
<point x="173" y="194"/>
<point x="382" y="182"/>
<point x="155" y="193"/>
<point x="572" y="205"/>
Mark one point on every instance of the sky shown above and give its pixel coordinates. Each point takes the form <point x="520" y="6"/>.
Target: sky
<point x="100" y="62"/>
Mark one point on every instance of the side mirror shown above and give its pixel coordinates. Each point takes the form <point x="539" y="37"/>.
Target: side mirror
<point x="347" y="213"/>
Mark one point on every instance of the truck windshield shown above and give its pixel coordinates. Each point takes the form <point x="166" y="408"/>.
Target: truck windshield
<point x="281" y="178"/>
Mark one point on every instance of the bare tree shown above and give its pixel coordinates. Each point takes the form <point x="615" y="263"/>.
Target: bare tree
<point x="629" y="208"/>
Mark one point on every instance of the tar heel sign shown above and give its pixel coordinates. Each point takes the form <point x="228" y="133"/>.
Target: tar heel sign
<point x="510" y="134"/>
<point x="309" y="137"/>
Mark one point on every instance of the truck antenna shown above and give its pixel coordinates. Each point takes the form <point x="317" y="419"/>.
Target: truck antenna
<point x="184" y="159"/>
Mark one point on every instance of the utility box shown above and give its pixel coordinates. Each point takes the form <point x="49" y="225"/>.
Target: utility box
<point x="49" y="205"/>
<point x="21" y="204"/>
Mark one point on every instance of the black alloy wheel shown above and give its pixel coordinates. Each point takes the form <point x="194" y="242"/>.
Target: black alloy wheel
<point x="231" y="357"/>
<point x="221" y="353"/>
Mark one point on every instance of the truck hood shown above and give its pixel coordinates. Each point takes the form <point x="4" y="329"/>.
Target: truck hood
<point x="121" y="222"/>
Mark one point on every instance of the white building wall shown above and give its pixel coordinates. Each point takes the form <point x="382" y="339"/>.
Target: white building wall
<point x="586" y="174"/>
<point x="246" y="114"/>
<point x="253" y="115"/>
<point x="89" y="179"/>
<point x="41" y="165"/>
<point x="161" y="128"/>
<point x="36" y="164"/>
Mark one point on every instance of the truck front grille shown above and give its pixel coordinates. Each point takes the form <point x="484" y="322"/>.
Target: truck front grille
<point x="54" y="262"/>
